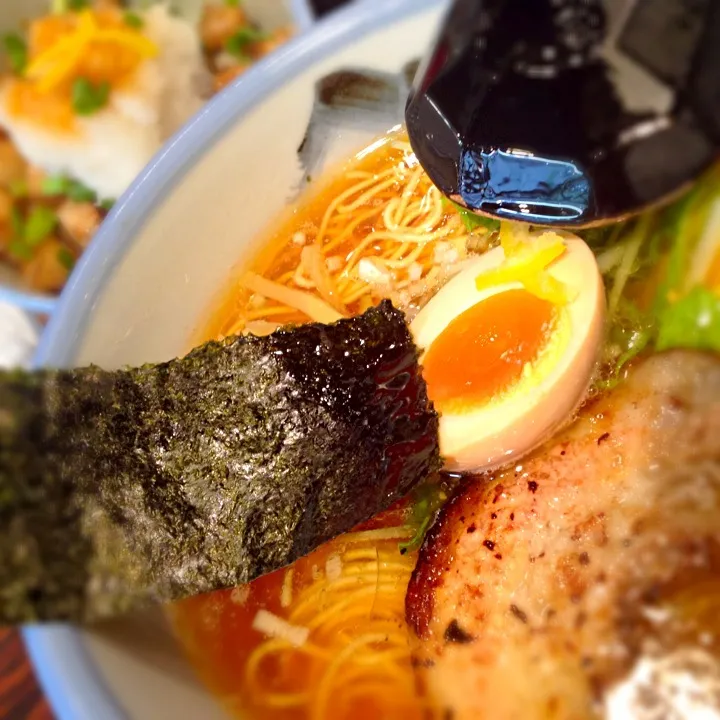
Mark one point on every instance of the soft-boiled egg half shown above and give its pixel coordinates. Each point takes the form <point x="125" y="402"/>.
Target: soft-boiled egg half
<point x="510" y="344"/>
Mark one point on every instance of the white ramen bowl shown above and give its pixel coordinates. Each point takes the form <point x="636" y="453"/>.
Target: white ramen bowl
<point x="269" y="14"/>
<point x="157" y="266"/>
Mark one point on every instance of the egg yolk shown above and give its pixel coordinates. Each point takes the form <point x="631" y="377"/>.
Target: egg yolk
<point x="485" y="350"/>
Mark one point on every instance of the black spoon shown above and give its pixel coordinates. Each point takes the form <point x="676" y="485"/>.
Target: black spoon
<point x="568" y="112"/>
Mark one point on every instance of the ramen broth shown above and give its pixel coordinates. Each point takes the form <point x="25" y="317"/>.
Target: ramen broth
<point x="349" y="597"/>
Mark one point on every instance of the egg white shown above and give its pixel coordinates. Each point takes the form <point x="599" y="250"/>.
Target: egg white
<point x="511" y="425"/>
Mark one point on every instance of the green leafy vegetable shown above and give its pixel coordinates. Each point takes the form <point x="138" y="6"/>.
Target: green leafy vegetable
<point x="66" y="258"/>
<point x="240" y="42"/>
<point x="685" y="222"/>
<point x="29" y="232"/>
<point x="56" y="185"/>
<point x="150" y="484"/>
<point x="626" y="251"/>
<point x="233" y="3"/>
<point x="691" y="322"/>
<point x="678" y="316"/>
<point x="675" y="318"/>
<point x="133" y="20"/>
<point x="427" y="499"/>
<point x="631" y="260"/>
<point x="88" y="98"/>
<point x="17" y="52"/>
<point x="39" y="225"/>
<point x="630" y="332"/>
<point x="107" y="204"/>
<point x="688" y="314"/>
<point x="77" y="192"/>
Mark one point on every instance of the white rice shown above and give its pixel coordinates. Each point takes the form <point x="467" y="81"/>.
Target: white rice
<point x="113" y="146"/>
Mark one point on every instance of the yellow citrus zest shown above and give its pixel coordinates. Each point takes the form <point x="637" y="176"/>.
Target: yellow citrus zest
<point x="60" y="62"/>
<point x="527" y="259"/>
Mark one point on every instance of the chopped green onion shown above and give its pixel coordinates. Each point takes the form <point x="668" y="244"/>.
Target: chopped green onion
<point x="54" y="185"/>
<point x="88" y="98"/>
<point x="428" y="499"/>
<point x="470" y="220"/>
<point x="77" y="192"/>
<point x="233" y="3"/>
<point x="416" y="541"/>
<point x="60" y="185"/>
<point x="40" y="223"/>
<point x="30" y="232"/>
<point x="133" y="20"/>
<point x="238" y="44"/>
<point x="17" y="52"/>
<point x="66" y="258"/>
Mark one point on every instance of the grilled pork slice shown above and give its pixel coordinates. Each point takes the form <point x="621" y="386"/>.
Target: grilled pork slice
<point x="585" y="581"/>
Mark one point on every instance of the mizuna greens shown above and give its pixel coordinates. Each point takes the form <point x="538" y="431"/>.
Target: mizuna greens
<point x="662" y="280"/>
<point x="156" y="483"/>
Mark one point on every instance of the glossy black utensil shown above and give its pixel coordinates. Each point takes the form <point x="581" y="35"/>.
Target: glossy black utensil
<point x="568" y="112"/>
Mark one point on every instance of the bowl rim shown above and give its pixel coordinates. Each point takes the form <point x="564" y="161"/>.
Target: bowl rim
<point x="57" y="651"/>
<point x="35" y="303"/>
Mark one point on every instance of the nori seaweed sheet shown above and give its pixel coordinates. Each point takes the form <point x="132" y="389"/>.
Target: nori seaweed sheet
<point x="157" y="483"/>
